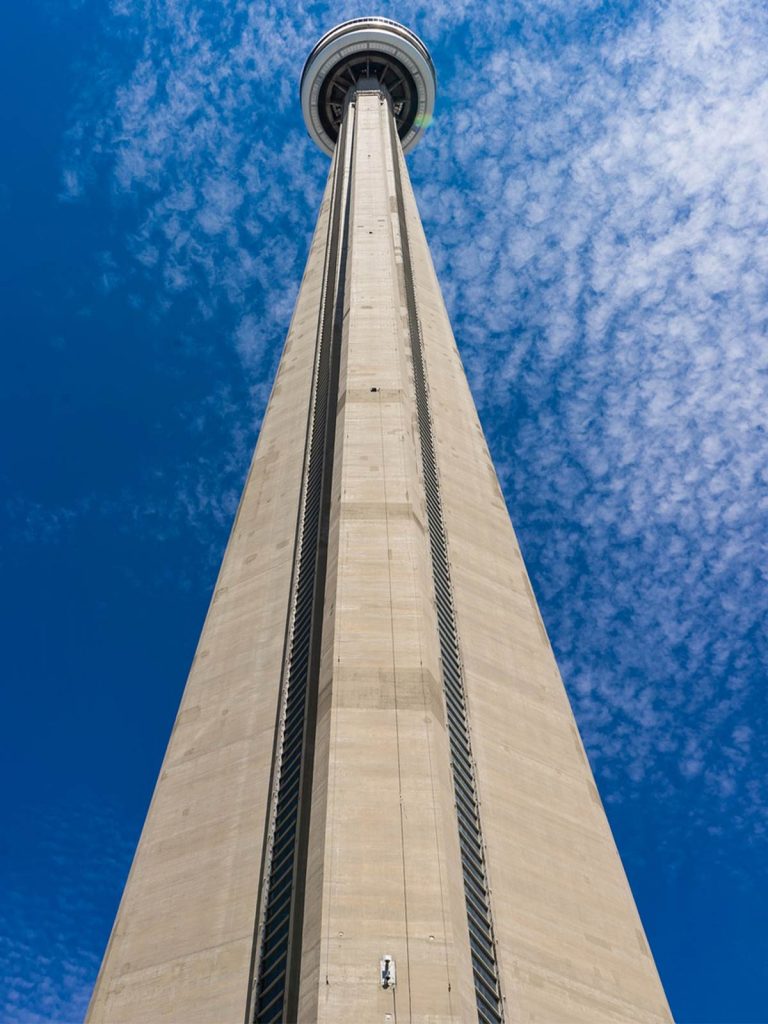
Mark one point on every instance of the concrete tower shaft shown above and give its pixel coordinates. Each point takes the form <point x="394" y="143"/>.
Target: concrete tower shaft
<point x="375" y="804"/>
<point x="381" y="846"/>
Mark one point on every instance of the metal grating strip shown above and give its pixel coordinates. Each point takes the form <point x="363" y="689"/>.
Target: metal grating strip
<point x="479" y="921"/>
<point x="274" y="994"/>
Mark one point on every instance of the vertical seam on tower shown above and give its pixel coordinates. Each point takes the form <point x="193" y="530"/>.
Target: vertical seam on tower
<point x="397" y="722"/>
<point x="479" y="920"/>
<point x="275" y="972"/>
<point x="396" y="242"/>
<point x="381" y="127"/>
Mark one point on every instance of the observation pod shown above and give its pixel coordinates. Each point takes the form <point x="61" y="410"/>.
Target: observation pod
<point x="359" y="50"/>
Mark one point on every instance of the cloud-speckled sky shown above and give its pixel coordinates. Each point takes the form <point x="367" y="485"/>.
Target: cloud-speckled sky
<point x="595" y="190"/>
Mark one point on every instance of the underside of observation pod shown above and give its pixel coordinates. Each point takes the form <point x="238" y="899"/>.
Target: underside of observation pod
<point x="365" y="50"/>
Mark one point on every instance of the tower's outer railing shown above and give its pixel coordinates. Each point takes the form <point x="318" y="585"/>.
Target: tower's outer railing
<point x="343" y="56"/>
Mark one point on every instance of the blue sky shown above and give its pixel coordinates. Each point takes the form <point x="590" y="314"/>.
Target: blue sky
<point x="595" y="191"/>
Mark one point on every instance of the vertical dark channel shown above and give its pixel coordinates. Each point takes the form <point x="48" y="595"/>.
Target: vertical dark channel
<point x="479" y="922"/>
<point x="276" y="961"/>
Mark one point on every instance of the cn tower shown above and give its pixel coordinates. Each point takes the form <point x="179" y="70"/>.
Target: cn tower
<point x="375" y="804"/>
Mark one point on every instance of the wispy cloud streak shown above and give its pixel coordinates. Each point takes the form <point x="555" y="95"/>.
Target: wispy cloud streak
<point x="611" y="302"/>
<point x="596" y="193"/>
<point x="46" y="937"/>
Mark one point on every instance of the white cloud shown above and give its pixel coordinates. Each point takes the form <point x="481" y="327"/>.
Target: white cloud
<point x="49" y="965"/>
<point x="612" y="294"/>
<point x="596" y="193"/>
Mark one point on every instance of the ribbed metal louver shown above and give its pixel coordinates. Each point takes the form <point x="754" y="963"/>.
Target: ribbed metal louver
<point x="278" y="940"/>
<point x="481" y="941"/>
